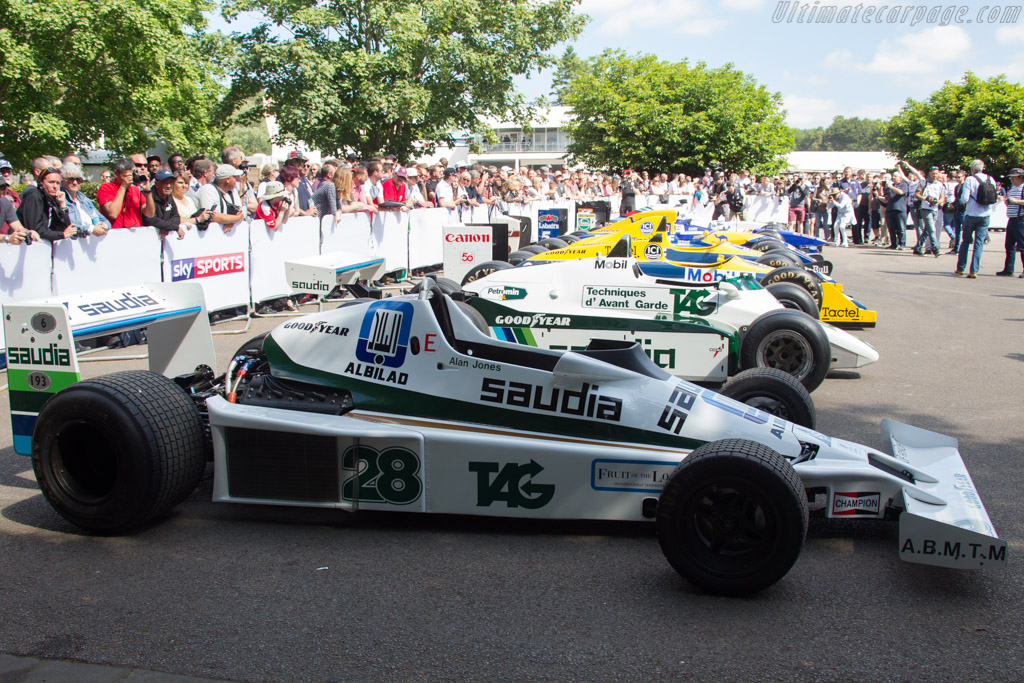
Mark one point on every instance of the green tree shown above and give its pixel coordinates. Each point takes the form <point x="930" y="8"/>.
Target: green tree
<point x="568" y="67"/>
<point x="852" y="134"/>
<point x="641" y="112"/>
<point x="972" y="119"/>
<point x="384" y="75"/>
<point x="128" y="71"/>
<point x="808" y="139"/>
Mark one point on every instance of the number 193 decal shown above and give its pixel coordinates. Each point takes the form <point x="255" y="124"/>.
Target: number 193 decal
<point x="388" y="476"/>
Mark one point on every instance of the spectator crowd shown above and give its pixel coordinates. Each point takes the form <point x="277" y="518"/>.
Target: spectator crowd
<point x="179" y="194"/>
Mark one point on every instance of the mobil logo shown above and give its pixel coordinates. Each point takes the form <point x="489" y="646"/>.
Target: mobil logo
<point x="207" y="266"/>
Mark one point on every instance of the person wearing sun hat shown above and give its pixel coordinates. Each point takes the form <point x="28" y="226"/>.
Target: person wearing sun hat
<point x="272" y="204"/>
<point x="1014" y="222"/>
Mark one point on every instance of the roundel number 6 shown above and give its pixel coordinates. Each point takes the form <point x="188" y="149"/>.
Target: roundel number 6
<point x="387" y="476"/>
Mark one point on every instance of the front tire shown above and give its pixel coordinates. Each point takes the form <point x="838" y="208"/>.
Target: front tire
<point x="795" y="297"/>
<point x="790" y="341"/>
<point x="483" y="270"/>
<point x="733" y="517"/>
<point x="113" y="453"/>
<point x="775" y="392"/>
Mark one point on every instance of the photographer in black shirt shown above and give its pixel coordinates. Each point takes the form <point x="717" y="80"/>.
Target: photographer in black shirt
<point x="165" y="216"/>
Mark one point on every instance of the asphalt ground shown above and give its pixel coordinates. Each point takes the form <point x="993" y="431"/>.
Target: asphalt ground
<point x="287" y="594"/>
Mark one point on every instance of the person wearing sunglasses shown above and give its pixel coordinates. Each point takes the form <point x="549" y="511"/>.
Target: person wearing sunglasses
<point x="44" y="208"/>
<point x="7" y="174"/>
<point x="81" y="211"/>
<point x="128" y="198"/>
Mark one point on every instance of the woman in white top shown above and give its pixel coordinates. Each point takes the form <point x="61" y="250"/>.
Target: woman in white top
<point x="188" y="214"/>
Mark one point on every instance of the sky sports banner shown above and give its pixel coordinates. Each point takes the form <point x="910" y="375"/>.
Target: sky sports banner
<point x="216" y="260"/>
<point x="118" y="259"/>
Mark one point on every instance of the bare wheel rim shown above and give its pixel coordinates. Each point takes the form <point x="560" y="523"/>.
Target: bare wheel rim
<point x="787" y="351"/>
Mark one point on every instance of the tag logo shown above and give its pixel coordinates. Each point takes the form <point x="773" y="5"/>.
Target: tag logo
<point x="511" y="484"/>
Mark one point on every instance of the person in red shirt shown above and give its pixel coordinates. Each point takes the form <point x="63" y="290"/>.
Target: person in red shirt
<point x="393" y="190"/>
<point x="122" y="202"/>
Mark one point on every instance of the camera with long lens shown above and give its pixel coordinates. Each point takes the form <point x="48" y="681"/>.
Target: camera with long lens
<point x="139" y="178"/>
<point x="80" y="233"/>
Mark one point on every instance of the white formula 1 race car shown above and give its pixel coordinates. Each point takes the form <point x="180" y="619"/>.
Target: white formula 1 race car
<point x="702" y="332"/>
<point x="403" y="404"/>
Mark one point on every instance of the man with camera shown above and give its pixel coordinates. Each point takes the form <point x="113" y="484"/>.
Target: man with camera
<point x="125" y="200"/>
<point x="11" y="230"/>
<point x="932" y="196"/>
<point x="165" y="216"/>
<point x="627" y="188"/>
<point x="445" y="190"/>
<point x="894" y="199"/>
<point x="221" y="197"/>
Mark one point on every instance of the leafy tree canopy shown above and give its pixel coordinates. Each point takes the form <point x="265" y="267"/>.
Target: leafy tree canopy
<point x="972" y="119"/>
<point x="644" y="113"/>
<point x="842" y="135"/>
<point x="129" y="72"/>
<point x="381" y="75"/>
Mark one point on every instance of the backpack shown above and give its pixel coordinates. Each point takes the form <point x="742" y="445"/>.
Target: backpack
<point x="986" y="193"/>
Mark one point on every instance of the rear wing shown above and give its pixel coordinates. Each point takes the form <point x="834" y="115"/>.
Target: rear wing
<point x="320" y="274"/>
<point x="41" y="335"/>
<point x="944" y="522"/>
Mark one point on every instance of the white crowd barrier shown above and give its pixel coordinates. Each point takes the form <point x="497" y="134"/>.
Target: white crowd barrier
<point x="218" y="261"/>
<point x="390" y="238"/>
<point x="269" y="250"/>
<point x="24" y="274"/>
<point x="351" y="233"/>
<point x="119" y="259"/>
<point x="426" y="239"/>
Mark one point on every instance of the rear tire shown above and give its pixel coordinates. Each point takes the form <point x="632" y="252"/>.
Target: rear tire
<point x="733" y="517"/>
<point x="553" y="243"/>
<point x="483" y="270"/>
<point x="446" y="285"/>
<point x="112" y="453"/>
<point x="795" y="297"/>
<point x="517" y="257"/>
<point x="788" y="340"/>
<point x="799" y="276"/>
<point x="766" y="244"/>
<point x="775" y="392"/>
<point x="777" y="258"/>
<point x="534" y="249"/>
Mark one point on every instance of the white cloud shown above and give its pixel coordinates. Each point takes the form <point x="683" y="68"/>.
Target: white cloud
<point x="810" y="112"/>
<point x="840" y="57"/>
<point x="1013" y="67"/>
<point x="743" y="5"/>
<point x="688" y="17"/>
<point x="1010" y="35"/>
<point x="922" y="52"/>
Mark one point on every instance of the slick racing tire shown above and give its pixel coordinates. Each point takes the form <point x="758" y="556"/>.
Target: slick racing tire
<point x="517" y="257"/>
<point x="570" y="238"/>
<point x="770" y="232"/>
<point x="113" y="453"/>
<point x="733" y="517"/>
<point x="797" y="275"/>
<point x="446" y="285"/>
<point x="790" y="341"/>
<point x="777" y="258"/>
<point x="766" y="244"/>
<point x="535" y="248"/>
<point x="484" y="269"/>
<point x="774" y="392"/>
<point x="476" y="316"/>
<point x="795" y="297"/>
<point x="553" y="243"/>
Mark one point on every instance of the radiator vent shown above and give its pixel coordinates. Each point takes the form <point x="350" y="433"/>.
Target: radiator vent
<point x="282" y="466"/>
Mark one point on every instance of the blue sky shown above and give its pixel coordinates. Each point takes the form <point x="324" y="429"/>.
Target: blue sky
<point x="863" y="67"/>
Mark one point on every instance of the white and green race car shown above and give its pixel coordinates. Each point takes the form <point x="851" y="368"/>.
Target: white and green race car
<point x="702" y="332"/>
<point x="404" y="404"/>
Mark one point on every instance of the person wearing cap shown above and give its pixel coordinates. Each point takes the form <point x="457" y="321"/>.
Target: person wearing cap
<point x="394" y="189"/>
<point x="12" y="231"/>
<point x="415" y="198"/>
<point x="445" y="190"/>
<point x="123" y="202"/>
<point x="165" y="216"/>
<point x="1014" y="223"/>
<point x="221" y="197"/>
<point x="272" y="204"/>
<point x="6" y="174"/>
<point x="304" y="192"/>
<point x="81" y="211"/>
